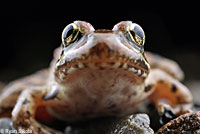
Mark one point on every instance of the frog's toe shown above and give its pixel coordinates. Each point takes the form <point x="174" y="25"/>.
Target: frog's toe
<point x="166" y="113"/>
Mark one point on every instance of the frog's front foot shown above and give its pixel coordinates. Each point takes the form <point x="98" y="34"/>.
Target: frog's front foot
<point x="168" y="94"/>
<point x="23" y="115"/>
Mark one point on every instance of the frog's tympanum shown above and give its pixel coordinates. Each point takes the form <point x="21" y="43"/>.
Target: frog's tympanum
<point x="95" y="73"/>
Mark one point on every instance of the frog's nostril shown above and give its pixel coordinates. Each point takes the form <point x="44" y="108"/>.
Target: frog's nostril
<point x="103" y="31"/>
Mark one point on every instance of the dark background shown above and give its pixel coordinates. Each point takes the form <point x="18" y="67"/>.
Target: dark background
<point x="29" y="33"/>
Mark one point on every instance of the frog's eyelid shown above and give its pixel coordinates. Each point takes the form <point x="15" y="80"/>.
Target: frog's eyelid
<point x="129" y="26"/>
<point x="84" y="26"/>
<point x="122" y="26"/>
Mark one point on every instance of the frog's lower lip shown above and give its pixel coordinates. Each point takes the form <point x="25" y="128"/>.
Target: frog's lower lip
<point x="140" y="72"/>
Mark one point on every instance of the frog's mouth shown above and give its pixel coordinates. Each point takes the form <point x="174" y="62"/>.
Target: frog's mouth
<point x="99" y="65"/>
<point x="112" y="61"/>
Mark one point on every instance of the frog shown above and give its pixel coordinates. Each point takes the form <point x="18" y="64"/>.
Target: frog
<point x="95" y="73"/>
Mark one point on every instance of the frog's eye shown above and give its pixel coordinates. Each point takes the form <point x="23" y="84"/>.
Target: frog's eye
<point x="136" y="34"/>
<point x="70" y="34"/>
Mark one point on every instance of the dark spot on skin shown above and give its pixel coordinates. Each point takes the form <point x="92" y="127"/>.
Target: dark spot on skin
<point x="115" y="111"/>
<point x="148" y="88"/>
<point x="179" y="99"/>
<point x="123" y="56"/>
<point x="28" y="114"/>
<point x="92" y="75"/>
<point x="112" y="106"/>
<point x="85" y="65"/>
<point x="112" y="85"/>
<point x="124" y="75"/>
<point x="26" y="101"/>
<point x="97" y="64"/>
<point x="111" y="63"/>
<point x="161" y="81"/>
<point x="174" y="88"/>
<point x="101" y="68"/>
<point x="75" y="66"/>
<point x="120" y="66"/>
<point x="39" y="130"/>
<point x="134" y="94"/>
<point x="33" y="96"/>
<point x="94" y="101"/>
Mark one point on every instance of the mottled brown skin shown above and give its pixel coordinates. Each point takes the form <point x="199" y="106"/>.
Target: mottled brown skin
<point x="101" y="74"/>
<point x="11" y="92"/>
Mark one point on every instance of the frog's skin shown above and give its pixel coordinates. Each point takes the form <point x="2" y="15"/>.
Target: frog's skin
<point x="95" y="73"/>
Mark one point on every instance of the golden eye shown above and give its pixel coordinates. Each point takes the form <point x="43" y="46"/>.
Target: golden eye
<point x="136" y="34"/>
<point x="70" y="34"/>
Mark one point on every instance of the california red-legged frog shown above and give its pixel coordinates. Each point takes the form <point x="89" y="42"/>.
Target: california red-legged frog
<point x="95" y="73"/>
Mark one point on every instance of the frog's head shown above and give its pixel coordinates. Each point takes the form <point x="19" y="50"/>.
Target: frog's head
<point x="121" y="48"/>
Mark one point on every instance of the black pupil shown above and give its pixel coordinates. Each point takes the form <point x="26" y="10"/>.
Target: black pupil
<point x="138" y="31"/>
<point x="132" y="33"/>
<point x="68" y="31"/>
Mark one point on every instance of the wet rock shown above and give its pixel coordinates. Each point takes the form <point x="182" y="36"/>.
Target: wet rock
<point x="133" y="124"/>
<point x="185" y="124"/>
<point x="6" y="126"/>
